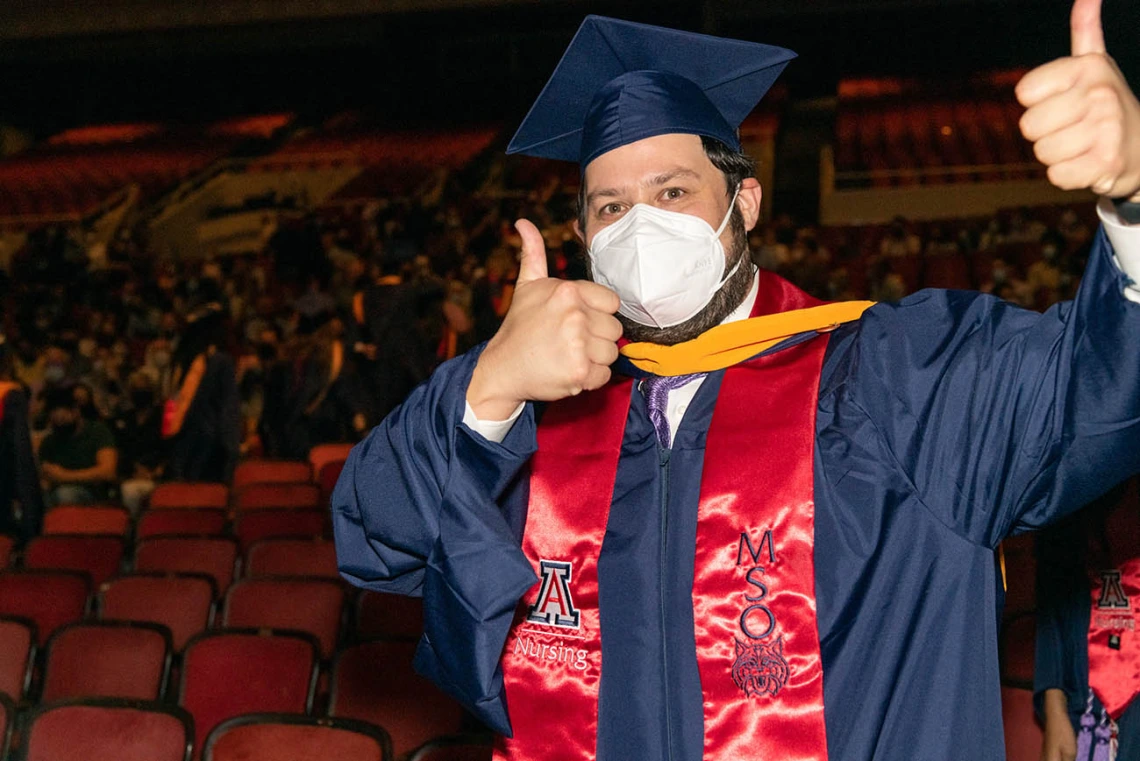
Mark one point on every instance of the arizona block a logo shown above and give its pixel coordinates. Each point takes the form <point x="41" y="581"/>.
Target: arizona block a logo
<point x="1112" y="595"/>
<point x="555" y="604"/>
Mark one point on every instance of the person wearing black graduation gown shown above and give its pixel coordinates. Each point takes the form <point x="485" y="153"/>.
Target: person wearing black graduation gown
<point x="398" y="327"/>
<point x="323" y="399"/>
<point x="202" y="422"/>
<point x="21" y="501"/>
<point x="941" y="425"/>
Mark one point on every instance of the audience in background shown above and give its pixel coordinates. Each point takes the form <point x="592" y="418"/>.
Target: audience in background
<point x="78" y="458"/>
<point x="317" y="336"/>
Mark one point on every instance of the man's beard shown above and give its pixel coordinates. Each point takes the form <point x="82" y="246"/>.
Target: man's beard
<point x="723" y="303"/>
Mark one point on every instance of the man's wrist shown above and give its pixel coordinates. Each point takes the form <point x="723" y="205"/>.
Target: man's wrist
<point x="1056" y="701"/>
<point x="486" y="401"/>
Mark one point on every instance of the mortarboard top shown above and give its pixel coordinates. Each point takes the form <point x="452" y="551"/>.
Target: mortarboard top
<point x="619" y="82"/>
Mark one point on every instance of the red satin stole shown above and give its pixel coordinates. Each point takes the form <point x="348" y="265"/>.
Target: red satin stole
<point x="754" y="586"/>
<point x="1113" y="641"/>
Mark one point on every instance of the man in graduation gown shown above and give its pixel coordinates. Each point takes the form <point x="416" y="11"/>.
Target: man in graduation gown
<point x="765" y="538"/>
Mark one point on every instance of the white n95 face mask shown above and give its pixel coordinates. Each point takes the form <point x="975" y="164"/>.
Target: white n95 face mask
<point x="664" y="266"/>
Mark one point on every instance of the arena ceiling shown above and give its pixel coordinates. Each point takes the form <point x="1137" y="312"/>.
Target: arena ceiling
<point x="463" y="60"/>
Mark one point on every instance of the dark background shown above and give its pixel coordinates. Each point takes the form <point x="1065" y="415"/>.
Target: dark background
<point x="463" y="61"/>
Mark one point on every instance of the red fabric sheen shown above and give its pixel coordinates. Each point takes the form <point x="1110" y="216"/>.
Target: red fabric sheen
<point x="759" y="478"/>
<point x="1114" y="672"/>
<point x="571" y="486"/>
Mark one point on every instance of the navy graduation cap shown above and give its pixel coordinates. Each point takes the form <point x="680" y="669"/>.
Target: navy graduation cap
<point x="619" y="82"/>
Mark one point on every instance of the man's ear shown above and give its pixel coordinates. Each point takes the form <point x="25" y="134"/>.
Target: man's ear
<point x="749" y="201"/>
<point x="579" y="232"/>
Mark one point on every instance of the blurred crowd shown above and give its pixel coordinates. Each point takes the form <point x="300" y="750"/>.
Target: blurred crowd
<point x="139" y="368"/>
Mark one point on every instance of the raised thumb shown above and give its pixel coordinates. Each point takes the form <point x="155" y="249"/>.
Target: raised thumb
<point x="532" y="263"/>
<point x="1086" y="29"/>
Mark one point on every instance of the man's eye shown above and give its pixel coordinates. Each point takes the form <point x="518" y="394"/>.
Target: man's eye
<point x="672" y="194"/>
<point x="612" y="208"/>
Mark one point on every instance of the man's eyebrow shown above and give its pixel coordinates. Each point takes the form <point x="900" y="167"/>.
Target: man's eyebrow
<point x="601" y="193"/>
<point x="662" y="179"/>
<point x="672" y="174"/>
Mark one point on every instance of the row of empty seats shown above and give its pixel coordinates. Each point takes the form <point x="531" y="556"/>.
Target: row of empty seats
<point x="120" y="642"/>
<point x="125" y="730"/>
<point x="881" y="137"/>
<point x="75" y="171"/>
<point x="274" y="650"/>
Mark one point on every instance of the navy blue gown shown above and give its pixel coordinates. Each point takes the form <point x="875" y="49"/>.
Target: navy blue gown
<point x="944" y="423"/>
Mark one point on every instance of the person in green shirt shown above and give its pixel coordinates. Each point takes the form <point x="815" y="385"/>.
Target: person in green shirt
<point x="78" y="458"/>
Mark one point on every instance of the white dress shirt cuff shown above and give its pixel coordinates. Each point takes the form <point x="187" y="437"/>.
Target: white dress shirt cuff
<point x="492" y="430"/>
<point x="1125" y="240"/>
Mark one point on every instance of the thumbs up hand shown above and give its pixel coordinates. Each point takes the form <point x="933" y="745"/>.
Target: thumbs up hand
<point x="558" y="339"/>
<point x="1082" y="118"/>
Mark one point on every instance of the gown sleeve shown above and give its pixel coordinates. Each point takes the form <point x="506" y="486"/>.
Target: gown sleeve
<point x="425" y="506"/>
<point x="1002" y="419"/>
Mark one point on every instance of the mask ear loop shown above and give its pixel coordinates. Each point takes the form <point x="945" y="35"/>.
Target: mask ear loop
<point x="728" y="216"/>
<point x="719" y="230"/>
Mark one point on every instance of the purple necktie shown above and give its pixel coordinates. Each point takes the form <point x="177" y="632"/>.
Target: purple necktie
<point x="656" y="389"/>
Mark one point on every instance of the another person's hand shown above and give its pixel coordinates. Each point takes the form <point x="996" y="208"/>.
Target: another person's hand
<point x="1060" y="742"/>
<point x="558" y="339"/>
<point x="1082" y="118"/>
<point x="52" y="472"/>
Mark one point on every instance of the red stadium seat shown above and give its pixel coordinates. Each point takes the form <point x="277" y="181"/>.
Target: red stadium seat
<point x="327" y="477"/>
<point x="457" y="748"/>
<point x="267" y="496"/>
<point x="108" y="660"/>
<point x="292" y="557"/>
<point x="97" y="556"/>
<point x="322" y="454"/>
<point x="273" y="737"/>
<point x="189" y="494"/>
<point x="184" y="522"/>
<point x="183" y="603"/>
<point x="271" y="472"/>
<point x="1023" y="736"/>
<point x="379" y="614"/>
<point x="7" y="544"/>
<point x="374" y="682"/>
<point x="313" y="606"/>
<point x="273" y="524"/>
<point x="230" y="673"/>
<point x="212" y="556"/>
<point x="17" y="654"/>
<point x="109" y="730"/>
<point x="49" y="599"/>
<point x="110" y="520"/>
